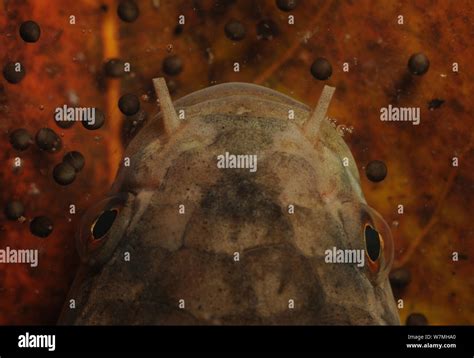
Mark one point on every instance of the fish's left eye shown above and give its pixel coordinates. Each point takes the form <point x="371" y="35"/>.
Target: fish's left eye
<point x="378" y="242"/>
<point x="373" y="242"/>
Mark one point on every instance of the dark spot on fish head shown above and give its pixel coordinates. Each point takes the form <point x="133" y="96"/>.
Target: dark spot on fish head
<point x="241" y="198"/>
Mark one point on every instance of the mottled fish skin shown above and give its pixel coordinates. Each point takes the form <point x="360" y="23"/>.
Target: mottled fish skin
<point x="190" y="256"/>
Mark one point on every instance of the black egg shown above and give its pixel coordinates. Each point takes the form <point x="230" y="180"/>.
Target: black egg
<point x="235" y="30"/>
<point x="99" y="120"/>
<point x="376" y="171"/>
<point x="41" y="226"/>
<point x="14" y="72"/>
<point x="321" y="69"/>
<point x="418" y="64"/>
<point x="400" y="277"/>
<point x="47" y="140"/>
<point x="64" y="173"/>
<point x="75" y="159"/>
<point x="14" y="210"/>
<point x="172" y="85"/>
<point x="115" y="68"/>
<point x="286" y="5"/>
<point x="20" y="139"/>
<point x="416" y="319"/>
<point x="172" y="65"/>
<point x="30" y="31"/>
<point x="128" y="10"/>
<point x="63" y="124"/>
<point x="129" y="104"/>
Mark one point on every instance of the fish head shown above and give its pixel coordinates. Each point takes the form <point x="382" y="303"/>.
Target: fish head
<point x="182" y="239"/>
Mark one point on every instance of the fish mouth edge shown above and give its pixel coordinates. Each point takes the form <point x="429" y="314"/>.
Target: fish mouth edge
<point x="229" y="89"/>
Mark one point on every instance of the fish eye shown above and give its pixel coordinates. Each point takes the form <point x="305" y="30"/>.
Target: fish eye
<point x="103" y="223"/>
<point x="102" y="226"/>
<point x="373" y="242"/>
<point x="378" y="242"/>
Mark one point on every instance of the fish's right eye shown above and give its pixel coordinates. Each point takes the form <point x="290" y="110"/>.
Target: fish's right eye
<point x="377" y="241"/>
<point x="103" y="223"/>
<point x="102" y="227"/>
